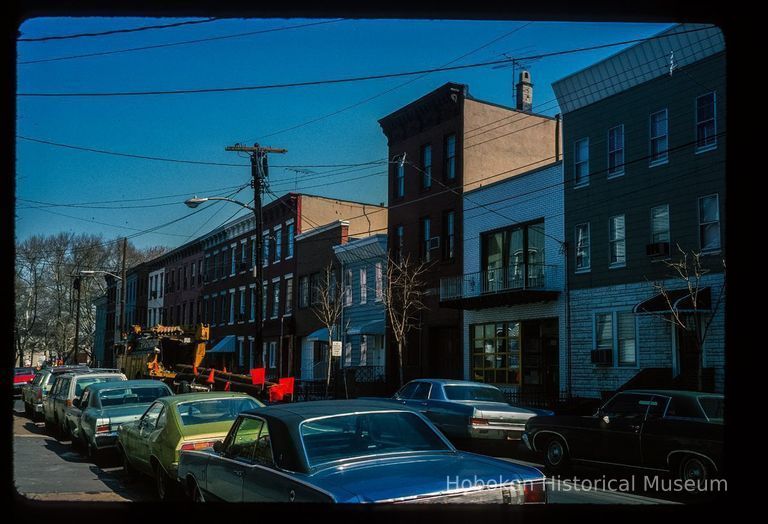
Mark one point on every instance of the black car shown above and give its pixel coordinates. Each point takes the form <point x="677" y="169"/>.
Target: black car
<point x="680" y="432"/>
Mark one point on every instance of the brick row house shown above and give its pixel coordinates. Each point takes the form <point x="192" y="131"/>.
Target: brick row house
<point x="440" y="146"/>
<point x="644" y="157"/>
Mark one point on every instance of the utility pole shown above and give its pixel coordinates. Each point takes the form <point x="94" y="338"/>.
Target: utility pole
<point x="76" y="283"/>
<point x="259" y="173"/>
<point x="123" y="334"/>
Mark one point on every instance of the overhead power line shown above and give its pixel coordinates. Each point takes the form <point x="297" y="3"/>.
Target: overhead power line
<point x="350" y="79"/>
<point x="116" y="31"/>
<point x="172" y="44"/>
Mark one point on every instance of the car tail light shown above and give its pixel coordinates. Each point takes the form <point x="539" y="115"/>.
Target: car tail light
<point x="102" y="425"/>
<point x="193" y="446"/>
<point x="534" y="493"/>
<point x="479" y="421"/>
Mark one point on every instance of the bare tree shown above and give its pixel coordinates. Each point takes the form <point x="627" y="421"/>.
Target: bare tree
<point x="327" y="309"/>
<point x="403" y="299"/>
<point x="689" y="270"/>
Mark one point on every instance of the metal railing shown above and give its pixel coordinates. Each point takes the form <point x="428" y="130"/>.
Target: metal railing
<point x="365" y="374"/>
<point x="518" y="277"/>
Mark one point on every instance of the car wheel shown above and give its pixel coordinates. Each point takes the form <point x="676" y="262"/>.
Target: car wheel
<point x="556" y="454"/>
<point x="128" y="469"/>
<point x="196" y="495"/>
<point x="693" y="468"/>
<point x="163" y="484"/>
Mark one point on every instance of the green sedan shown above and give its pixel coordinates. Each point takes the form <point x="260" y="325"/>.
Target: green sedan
<point x="191" y="421"/>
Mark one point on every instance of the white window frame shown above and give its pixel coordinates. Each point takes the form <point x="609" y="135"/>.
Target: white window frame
<point x="348" y="289"/>
<point x="718" y="222"/>
<point x="713" y="145"/>
<point x="277" y="232"/>
<point x="363" y="273"/>
<point x="588" y="267"/>
<point x="614" y="313"/>
<point x="379" y="282"/>
<point x="288" y="295"/>
<point x="619" y="170"/>
<point x="611" y="241"/>
<point x="275" y="299"/>
<point x="231" y="306"/>
<point x="665" y="159"/>
<point x="252" y="318"/>
<point x="577" y="162"/>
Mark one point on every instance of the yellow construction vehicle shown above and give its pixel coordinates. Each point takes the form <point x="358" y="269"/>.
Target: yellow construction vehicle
<point x="156" y="351"/>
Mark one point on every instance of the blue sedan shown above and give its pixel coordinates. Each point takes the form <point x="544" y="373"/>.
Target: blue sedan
<point x="349" y="451"/>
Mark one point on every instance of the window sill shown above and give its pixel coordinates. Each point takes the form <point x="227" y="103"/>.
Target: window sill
<point x="657" y="163"/>
<point x="618" y="174"/>
<point x="711" y="252"/>
<point x="704" y="149"/>
<point x="579" y="186"/>
<point x="583" y="271"/>
<point x="617" y="266"/>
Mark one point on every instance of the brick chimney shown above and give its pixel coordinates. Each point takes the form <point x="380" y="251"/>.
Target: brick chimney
<point x="524" y="92"/>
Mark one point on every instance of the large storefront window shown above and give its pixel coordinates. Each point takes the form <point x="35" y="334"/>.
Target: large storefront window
<point x="496" y="352"/>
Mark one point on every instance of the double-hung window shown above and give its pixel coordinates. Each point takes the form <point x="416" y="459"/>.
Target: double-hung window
<point x="426" y="163"/>
<point x="363" y="286"/>
<point x="291" y="233"/>
<point x="426" y="231"/>
<point x="615" y="333"/>
<point x="616" y="151"/>
<point x="617" y="241"/>
<point x="659" y="137"/>
<point x="450" y="157"/>
<point x="275" y="298"/>
<point x="379" y="282"/>
<point x="400" y="180"/>
<point x="706" y="128"/>
<point x="583" y="253"/>
<point x="709" y="223"/>
<point x="581" y="162"/>
<point x="660" y="224"/>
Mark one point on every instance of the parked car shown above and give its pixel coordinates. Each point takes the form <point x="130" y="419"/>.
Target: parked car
<point x="34" y="393"/>
<point x="151" y="445"/>
<point x="358" y="451"/>
<point x="466" y="411"/>
<point x="94" y="417"/>
<point x="680" y="432"/>
<point x="67" y="387"/>
<point x="22" y="376"/>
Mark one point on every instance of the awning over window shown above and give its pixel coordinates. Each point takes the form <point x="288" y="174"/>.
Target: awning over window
<point x="320" y="334"/>
<point x="225" y="345"/>
<point x="680" y="299"/>
<point x="374" y="327"/>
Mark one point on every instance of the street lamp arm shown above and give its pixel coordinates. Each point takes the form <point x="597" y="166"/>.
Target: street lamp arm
<point x="194" y="202"/>
<point x="86" y="272"/>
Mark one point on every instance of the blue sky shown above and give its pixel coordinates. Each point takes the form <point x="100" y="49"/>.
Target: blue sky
<point x="199" y="126"/>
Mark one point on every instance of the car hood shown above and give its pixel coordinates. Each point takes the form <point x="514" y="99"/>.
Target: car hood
<point x="407" y="476"/>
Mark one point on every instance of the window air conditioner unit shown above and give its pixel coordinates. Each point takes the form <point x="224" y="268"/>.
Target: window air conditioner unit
<point x="602" y="356"/>
<point x="657" y="249"/>
<point x="434" y="243"/>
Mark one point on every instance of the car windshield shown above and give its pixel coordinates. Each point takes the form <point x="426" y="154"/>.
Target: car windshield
<point x="714" y="407"/>
<point x="214" y="410"/>
<point x="25" y="371"/>
<point x="483" y="393"/>
<point x="367" y="434"/>
<point x="87" y="381"/>
<point x="134" y="395"/>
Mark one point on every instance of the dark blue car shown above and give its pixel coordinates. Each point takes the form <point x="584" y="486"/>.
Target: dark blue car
<point x="349" y="451"/>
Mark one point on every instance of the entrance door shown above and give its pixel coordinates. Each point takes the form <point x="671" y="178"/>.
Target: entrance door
<point x="444" y="354"/>
<point x="540" y="359"/>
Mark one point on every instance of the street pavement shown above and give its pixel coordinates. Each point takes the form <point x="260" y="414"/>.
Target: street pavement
<point x="46" y="469"/>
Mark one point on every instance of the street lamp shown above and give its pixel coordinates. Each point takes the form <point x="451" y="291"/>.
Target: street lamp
<point x="194" y="202"/>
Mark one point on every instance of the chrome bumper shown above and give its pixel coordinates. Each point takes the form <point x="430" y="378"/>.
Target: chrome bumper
<point x="105" y="440"/>
<point x="490" y="432"/>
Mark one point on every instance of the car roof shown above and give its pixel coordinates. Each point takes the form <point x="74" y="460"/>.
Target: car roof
<point x="296" y="412"/>
<point x="120" y="384"/>
<point x="452" y="382"/>
<point x="673" y="393"/>
<point x="208" y="395"/>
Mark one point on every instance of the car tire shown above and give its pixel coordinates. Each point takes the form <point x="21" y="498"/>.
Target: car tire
<point x="556" y="455"/>
<point x="164" y="485"/>
<point x="128" y="470"/>
<point x="694" y="468"/>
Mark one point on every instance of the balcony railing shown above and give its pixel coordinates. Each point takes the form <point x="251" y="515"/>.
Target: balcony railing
<point x="521" y="277"/>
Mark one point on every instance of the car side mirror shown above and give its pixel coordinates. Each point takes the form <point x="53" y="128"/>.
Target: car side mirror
<point x="218" y="446"/>
<point x="606" y="419"/>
